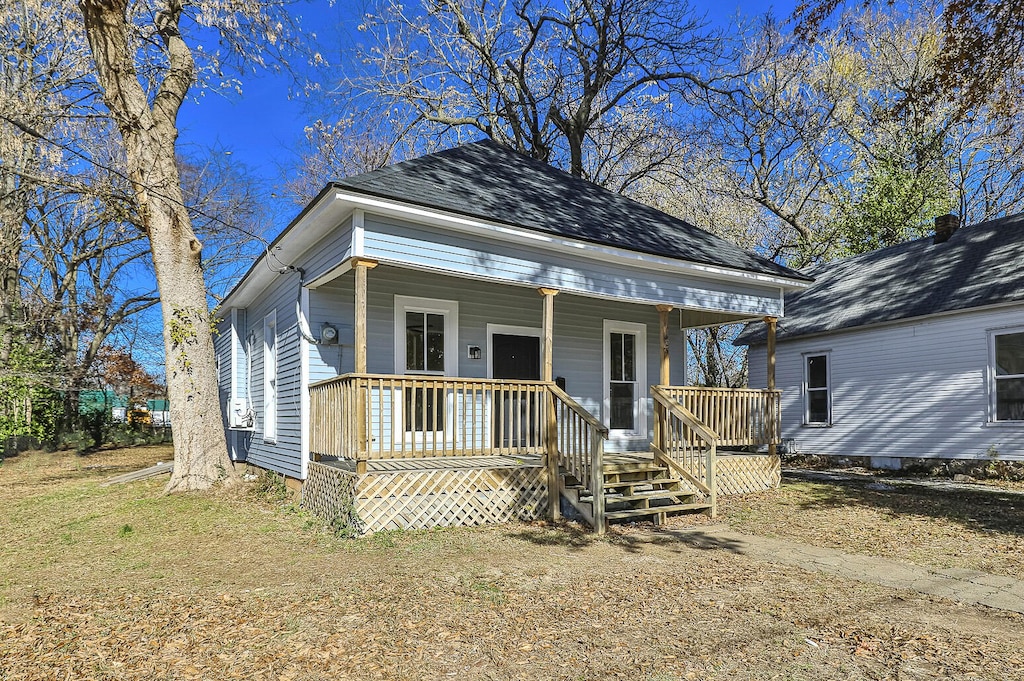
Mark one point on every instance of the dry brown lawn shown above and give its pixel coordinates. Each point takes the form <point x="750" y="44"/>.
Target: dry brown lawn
<point x="125" y="583"/>
<point x="979" y="527"/>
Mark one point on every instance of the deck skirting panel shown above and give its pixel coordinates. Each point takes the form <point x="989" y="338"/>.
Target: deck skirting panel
<point x="329" y="493"/>
<point x="425" y="498"/>
<point x="746" y="473"/>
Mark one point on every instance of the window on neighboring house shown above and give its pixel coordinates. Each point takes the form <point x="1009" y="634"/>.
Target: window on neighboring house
<point x="817" y="397"/>
<point x="270" y="377"/>
<point x="426" y="347"/>
<point x="1008" y="375"/>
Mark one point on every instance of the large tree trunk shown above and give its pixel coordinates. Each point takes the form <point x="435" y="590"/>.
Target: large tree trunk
<point x="12" y="220"/>
<point x="150" y="134"/>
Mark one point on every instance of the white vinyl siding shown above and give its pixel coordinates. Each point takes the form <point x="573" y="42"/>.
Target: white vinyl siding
<point x="917" y="389"/>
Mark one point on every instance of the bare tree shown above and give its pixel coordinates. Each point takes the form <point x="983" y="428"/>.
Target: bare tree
<point x="146" y="68"/>
<point x="81" y="252"/>
<point x="838" y="145"/>
<point x="563" y="82"/>
<point x="42" y="59"/>
<point x="981" y="55"/>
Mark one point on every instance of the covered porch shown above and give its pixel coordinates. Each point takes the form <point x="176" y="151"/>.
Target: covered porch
<point x="404" y="450"/>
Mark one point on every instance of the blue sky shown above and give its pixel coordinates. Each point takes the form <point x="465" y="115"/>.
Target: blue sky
<point x="263" y="127"/>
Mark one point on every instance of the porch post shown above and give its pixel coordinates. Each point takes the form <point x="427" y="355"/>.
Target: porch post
<point x="551" y="426"/>
<point x="666" y="378"/>
<point x="549" y="320"/>
<point x="773" y="436"/>
<point x="361" y="266"/>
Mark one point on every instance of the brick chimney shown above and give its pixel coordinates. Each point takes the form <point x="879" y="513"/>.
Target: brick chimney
<point x="945" y="225"/>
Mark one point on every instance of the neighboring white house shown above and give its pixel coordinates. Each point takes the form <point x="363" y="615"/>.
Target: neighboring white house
<point x="911" y="351"/>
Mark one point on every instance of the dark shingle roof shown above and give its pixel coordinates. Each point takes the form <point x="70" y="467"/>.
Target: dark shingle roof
<point x="489" y="181"/>
<point x="979" y="265"/>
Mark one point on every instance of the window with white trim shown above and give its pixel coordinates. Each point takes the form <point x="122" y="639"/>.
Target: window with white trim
<point x="817" y="390"/>
<point x="625" y="372"/>
<point x="1007" y="359"/>
<point x="270" y="377"/>
<point x="426" y="343"/>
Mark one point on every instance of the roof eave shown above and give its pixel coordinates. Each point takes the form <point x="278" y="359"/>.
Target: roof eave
<point x="373" y="202"/>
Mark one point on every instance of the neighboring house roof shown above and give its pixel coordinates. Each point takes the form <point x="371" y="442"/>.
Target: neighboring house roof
<point x="489" y="181"/>
<point x="980" y="265"/>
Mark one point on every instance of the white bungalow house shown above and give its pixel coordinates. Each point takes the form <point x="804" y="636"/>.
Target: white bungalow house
<point x="469" y="336"/>
<point x="912" y="351"/>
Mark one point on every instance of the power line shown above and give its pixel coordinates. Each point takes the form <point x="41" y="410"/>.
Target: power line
<point x="29" y="130"/>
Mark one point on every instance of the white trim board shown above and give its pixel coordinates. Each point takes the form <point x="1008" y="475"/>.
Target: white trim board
<point x="450" y="310"/>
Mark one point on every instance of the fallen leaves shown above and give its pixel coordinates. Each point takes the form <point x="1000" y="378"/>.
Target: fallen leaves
<point x="222" y="601"/>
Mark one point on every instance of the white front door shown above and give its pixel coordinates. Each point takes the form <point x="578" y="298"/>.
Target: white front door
<point x="625" y="378"/>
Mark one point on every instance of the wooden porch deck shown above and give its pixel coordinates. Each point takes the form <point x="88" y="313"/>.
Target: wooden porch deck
<point x="405" y="452"/>
<point x="472" y="462"/>
<point x="404" y="494"/>
<point x="433" y="463"/>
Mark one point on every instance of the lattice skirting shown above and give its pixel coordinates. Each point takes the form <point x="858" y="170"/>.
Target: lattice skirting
<point x="742" y="474"/>
<point x="427" y="498"/>
<point x="330" y="493"/>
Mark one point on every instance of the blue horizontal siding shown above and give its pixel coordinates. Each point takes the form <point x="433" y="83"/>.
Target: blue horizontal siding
<point x="517" y="264"/>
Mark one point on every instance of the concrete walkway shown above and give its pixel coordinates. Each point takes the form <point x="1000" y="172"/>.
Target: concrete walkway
<point x="967" y="586"/>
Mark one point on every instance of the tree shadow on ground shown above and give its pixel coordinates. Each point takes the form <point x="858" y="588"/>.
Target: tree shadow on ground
<point x="984" y="509"/>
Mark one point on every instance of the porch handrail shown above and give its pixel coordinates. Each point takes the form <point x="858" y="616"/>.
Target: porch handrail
<point x="685" y="444"/>
<point x="739" y="416"/>
<point x="447" y="379"/>
<point x="580" y="440"/>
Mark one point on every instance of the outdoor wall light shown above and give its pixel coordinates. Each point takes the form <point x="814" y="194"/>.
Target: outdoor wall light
<point x="473" y="352"/>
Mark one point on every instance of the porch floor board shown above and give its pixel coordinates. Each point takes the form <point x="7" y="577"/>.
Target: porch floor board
<point x="439" y="463"/>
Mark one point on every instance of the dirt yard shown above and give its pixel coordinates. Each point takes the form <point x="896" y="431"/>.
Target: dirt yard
<point x="125" y="583"/>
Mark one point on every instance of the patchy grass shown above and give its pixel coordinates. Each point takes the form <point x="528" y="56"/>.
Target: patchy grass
<point x="127" y="583"/>
<point x="976" y="528"/>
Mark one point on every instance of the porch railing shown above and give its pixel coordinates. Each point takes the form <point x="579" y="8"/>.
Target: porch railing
<point x="409" y="417"/>
<point x="738" y="416"/>
<point x="685" y="444"/>
<point x="366" y="417"/>
<point x="579" y="437"/>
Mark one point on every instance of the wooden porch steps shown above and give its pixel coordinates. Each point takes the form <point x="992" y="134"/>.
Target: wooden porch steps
<point x="631" y="513"/>
<point x="635" y="490"/>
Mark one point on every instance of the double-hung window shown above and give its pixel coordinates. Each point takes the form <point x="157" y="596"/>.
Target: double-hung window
<point x="817" y="390"/>
<point x="1007" y="390"/>
<point x="426" y="345"/>
<point x="270" y="377"/>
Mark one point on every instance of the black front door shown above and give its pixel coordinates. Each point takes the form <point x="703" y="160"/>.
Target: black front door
<point x="516" y="413"/>
<point x="515" y="357"/>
